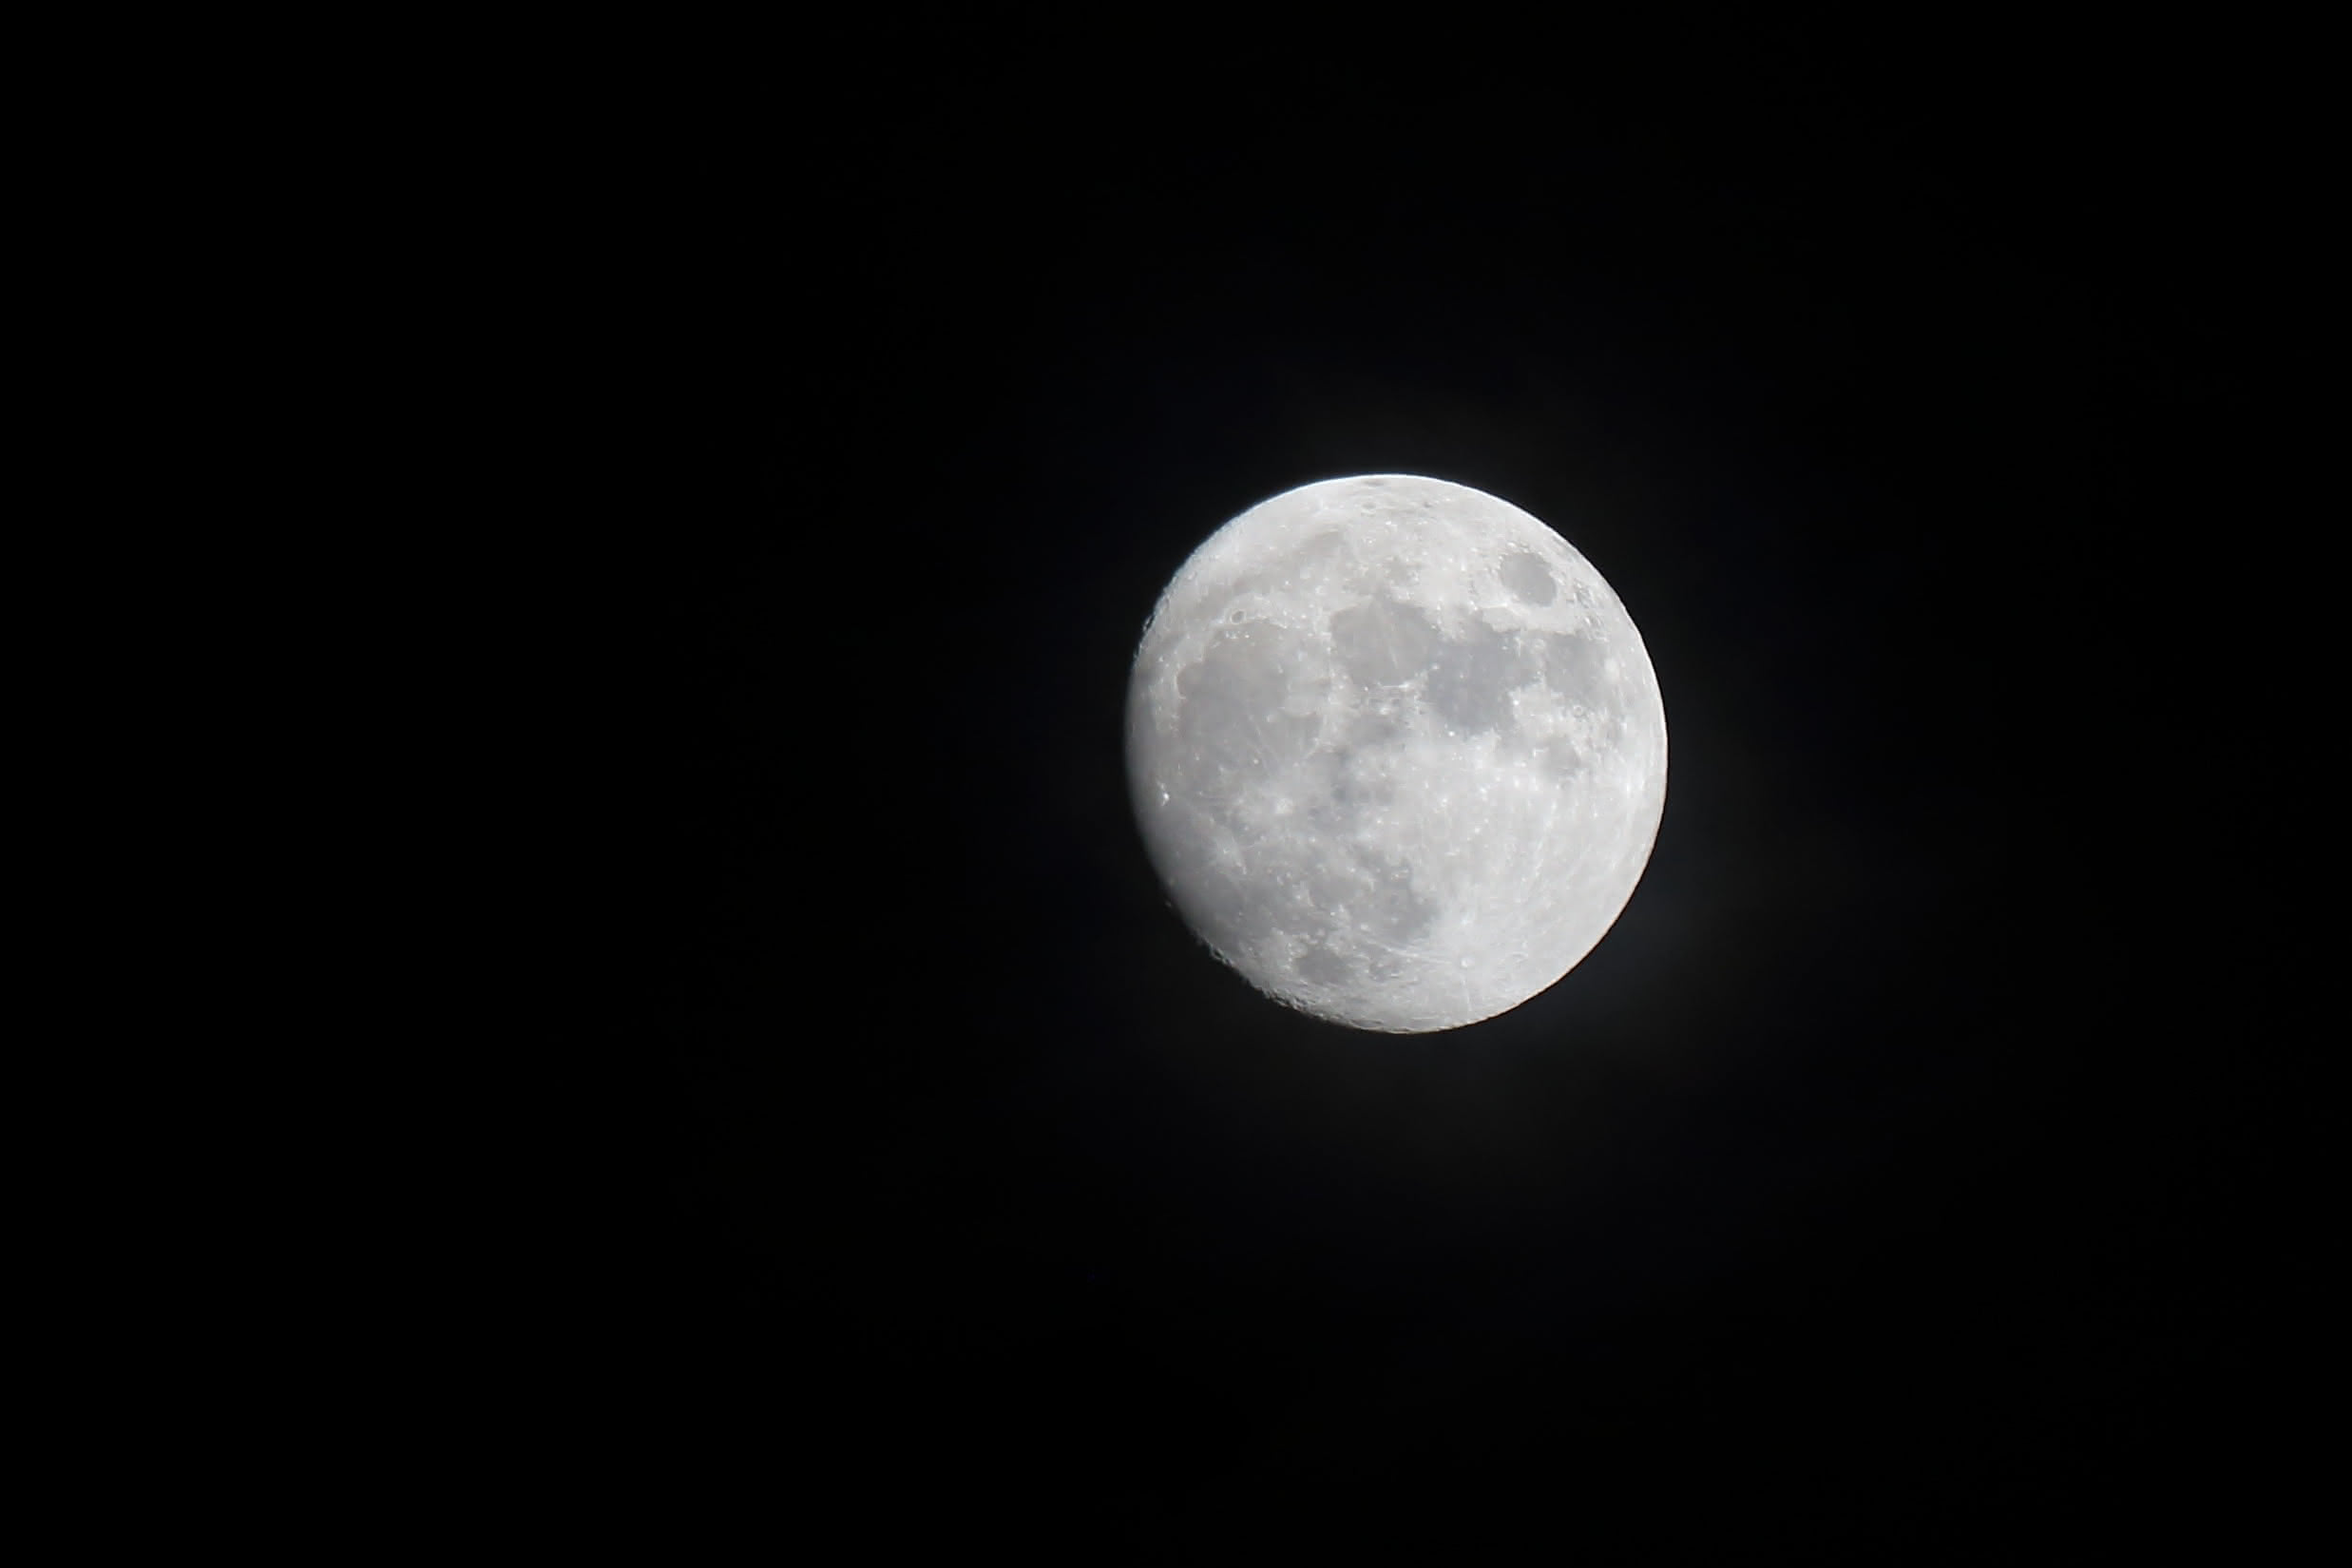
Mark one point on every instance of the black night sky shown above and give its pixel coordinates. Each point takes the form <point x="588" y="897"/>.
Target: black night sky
<point x="1899" y="1182"/>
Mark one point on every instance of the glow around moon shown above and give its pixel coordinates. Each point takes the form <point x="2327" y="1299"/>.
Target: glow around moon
<point x="1396" y="750"/>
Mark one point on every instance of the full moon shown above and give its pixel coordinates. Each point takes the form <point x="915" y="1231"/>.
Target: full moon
<point x="1396" y="750"/>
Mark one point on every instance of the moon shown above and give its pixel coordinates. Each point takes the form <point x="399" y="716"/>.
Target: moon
<point x="1396" y="751"/>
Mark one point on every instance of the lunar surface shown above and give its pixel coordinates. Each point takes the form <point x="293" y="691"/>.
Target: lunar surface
<point x="1396" y="750"/>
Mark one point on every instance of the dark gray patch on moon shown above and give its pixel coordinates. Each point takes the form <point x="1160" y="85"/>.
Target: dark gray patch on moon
<point x="1471" y="681"/>
<point x="1214" y="900"/>
<point x="1528" y="578"/>
<point x="1231" y="707"/>
<point x="1393" y="912"/>
<point x="1560" y="759"/>
<point x="1293" y="567"/>
<point x="1382" y="643"/>
<point x="1324" y="967"/>
<point x="1572" y="665"/>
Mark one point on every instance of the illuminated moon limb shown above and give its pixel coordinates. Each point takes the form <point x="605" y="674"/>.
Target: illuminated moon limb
<point x="1396" y="750"/>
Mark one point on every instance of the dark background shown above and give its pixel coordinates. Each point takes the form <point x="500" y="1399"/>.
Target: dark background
<point x="1905" y="1179"/>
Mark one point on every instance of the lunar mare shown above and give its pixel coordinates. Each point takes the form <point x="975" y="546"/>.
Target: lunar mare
<point x="1396" y="750"/>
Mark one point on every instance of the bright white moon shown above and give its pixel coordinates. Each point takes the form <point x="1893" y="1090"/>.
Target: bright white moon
<point x="1397" y="751"/>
